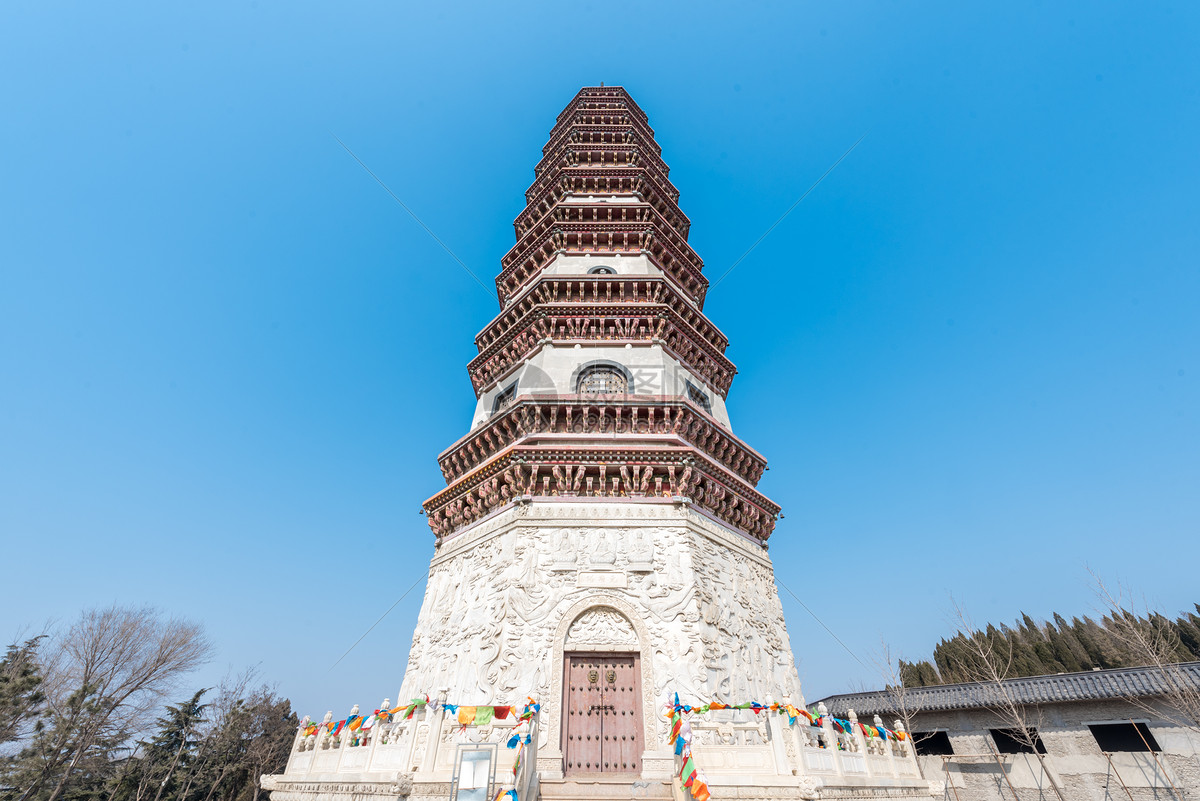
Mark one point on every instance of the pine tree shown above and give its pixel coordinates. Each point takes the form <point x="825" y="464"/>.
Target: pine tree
<point x="1033" y="649"/>
<point x="1067" y="650"/>
<point x="21" y="695"/>
<point x="1103" y="648"/>
<point x="1043" y="653"/>
<point x="166" y="755"/>
<point x="1025" y="661"/>
<point x="1189" y="633"/>
<point x="43" y="762"/>
<point x="910" y="674"/>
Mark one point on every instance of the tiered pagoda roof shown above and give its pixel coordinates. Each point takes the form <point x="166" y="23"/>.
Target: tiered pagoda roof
<point x="602" y="189"/>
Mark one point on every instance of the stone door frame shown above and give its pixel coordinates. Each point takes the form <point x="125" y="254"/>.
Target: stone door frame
<point x="555" y="761"/>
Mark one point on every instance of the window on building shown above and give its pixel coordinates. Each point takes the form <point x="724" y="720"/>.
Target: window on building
<point x="698" y="397"/>
<point x="504" y="398"/>
<point x="602" y="271"/>
<point x="932" y="743"/>
<point x="1011" y="741"/>
<point x="1113" y="737"/>
<point x="603" y="379"/>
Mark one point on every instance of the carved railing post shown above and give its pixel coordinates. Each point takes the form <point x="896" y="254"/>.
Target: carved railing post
<point x="775" y="731"/>
<point x="529" y="775"/>
<point x="799" y="735"/>
<point x="296" y="743"/>
<point x="344" y="739"/>
<point x="322" y="736"/>
<point x="436" y="719"/>
<point x="887" y="748"/>
<point x="830" y="737"/>
<point x="908" y="752"/>
<point x="376" y="733"/>
<point x="859" y="739"/>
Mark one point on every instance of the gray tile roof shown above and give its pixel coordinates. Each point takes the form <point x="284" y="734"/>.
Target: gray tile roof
<point x="1062" y="688"/>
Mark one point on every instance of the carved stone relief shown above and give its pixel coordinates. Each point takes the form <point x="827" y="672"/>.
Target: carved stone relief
<point x="714" y="625"/>
<point x="601" y="627"/>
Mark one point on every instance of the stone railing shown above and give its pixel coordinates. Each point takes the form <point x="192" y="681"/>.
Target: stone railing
<point x="732" y="744"/>
<point x="851" y="753"/>
<point x="403" y="751"/>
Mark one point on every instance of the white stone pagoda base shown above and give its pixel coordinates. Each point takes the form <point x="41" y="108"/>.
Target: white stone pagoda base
<point x="509" y="596"/>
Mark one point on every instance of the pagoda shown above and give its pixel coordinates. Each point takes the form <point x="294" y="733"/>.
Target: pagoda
<point x="601" y="544"/>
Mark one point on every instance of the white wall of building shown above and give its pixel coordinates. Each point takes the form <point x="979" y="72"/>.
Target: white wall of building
<point x="554" y="370"/>
<point x="584" y="263"/>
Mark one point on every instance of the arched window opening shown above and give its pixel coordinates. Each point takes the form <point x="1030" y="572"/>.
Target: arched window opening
<point x="602" y="271"/>
<point x="603" y="379"/>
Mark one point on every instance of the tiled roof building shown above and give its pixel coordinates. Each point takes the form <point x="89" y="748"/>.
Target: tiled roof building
<point x="1129" y="733"/>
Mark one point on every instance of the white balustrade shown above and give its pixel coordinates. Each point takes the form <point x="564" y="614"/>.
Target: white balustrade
<point x="422" y="746"/>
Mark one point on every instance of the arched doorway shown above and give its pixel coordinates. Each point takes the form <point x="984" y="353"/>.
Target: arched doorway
<point x="602" y="695"/>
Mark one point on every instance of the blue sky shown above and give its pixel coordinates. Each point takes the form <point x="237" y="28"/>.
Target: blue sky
<point x="228" y="359"/>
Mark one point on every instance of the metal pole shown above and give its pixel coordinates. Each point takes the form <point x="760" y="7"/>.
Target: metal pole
<point x="949" y="778"/>
<point x="1113" y="768"/>
<point x="1163" y="770"/>
<point x="1004" y="773"/>
<point x="1049" y="778"/>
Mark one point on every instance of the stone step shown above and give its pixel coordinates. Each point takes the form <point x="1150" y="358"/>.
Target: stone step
<point x="603" y="788"/>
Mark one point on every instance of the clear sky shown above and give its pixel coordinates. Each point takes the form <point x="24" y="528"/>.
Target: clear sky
<point x="228" y="359"/>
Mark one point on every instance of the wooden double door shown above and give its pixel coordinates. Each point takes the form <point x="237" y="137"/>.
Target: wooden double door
<point x="602" y="728"/>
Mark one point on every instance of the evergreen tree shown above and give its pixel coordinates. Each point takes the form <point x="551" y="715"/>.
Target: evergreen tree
<point x="1024" y="658"/>
<point x="1067" y="650"/>
<point x="1189" y="633"/>
<point x="1033" y="649"/>
<point x="165" y="756"/>
<point x="21" y="695"/>
<point x="39" y="767"/>
<point x="910" y="674"/>
<point x="1044" y="659"/>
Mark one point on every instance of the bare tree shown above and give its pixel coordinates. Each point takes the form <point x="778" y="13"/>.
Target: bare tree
<point x="109" y="670"/>
<point x="903" y="702"/>
<point x="224" y="742"/>
<point x="990" y="662"/>
<point x="1136" y="628"/>
<point x="272" y="732"/>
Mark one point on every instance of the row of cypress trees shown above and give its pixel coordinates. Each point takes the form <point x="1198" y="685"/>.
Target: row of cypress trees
<point x="1030" y="648"/>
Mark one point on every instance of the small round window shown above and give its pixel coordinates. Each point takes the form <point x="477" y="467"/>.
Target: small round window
<point x="603" y="379"/>
<point x="602" y="271"/>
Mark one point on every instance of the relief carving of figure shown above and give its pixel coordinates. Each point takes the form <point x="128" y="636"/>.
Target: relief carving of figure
<point x="564" y="550"/>
<point x="603" y="553"/>
<point x="641" y="552"/>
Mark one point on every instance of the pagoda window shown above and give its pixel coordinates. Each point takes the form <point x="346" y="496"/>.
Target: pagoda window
<point x="603" y="379"/>
<point x="602" y="271"/>
<point x="504" y="398"/>
<point x="699" y="397"/>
